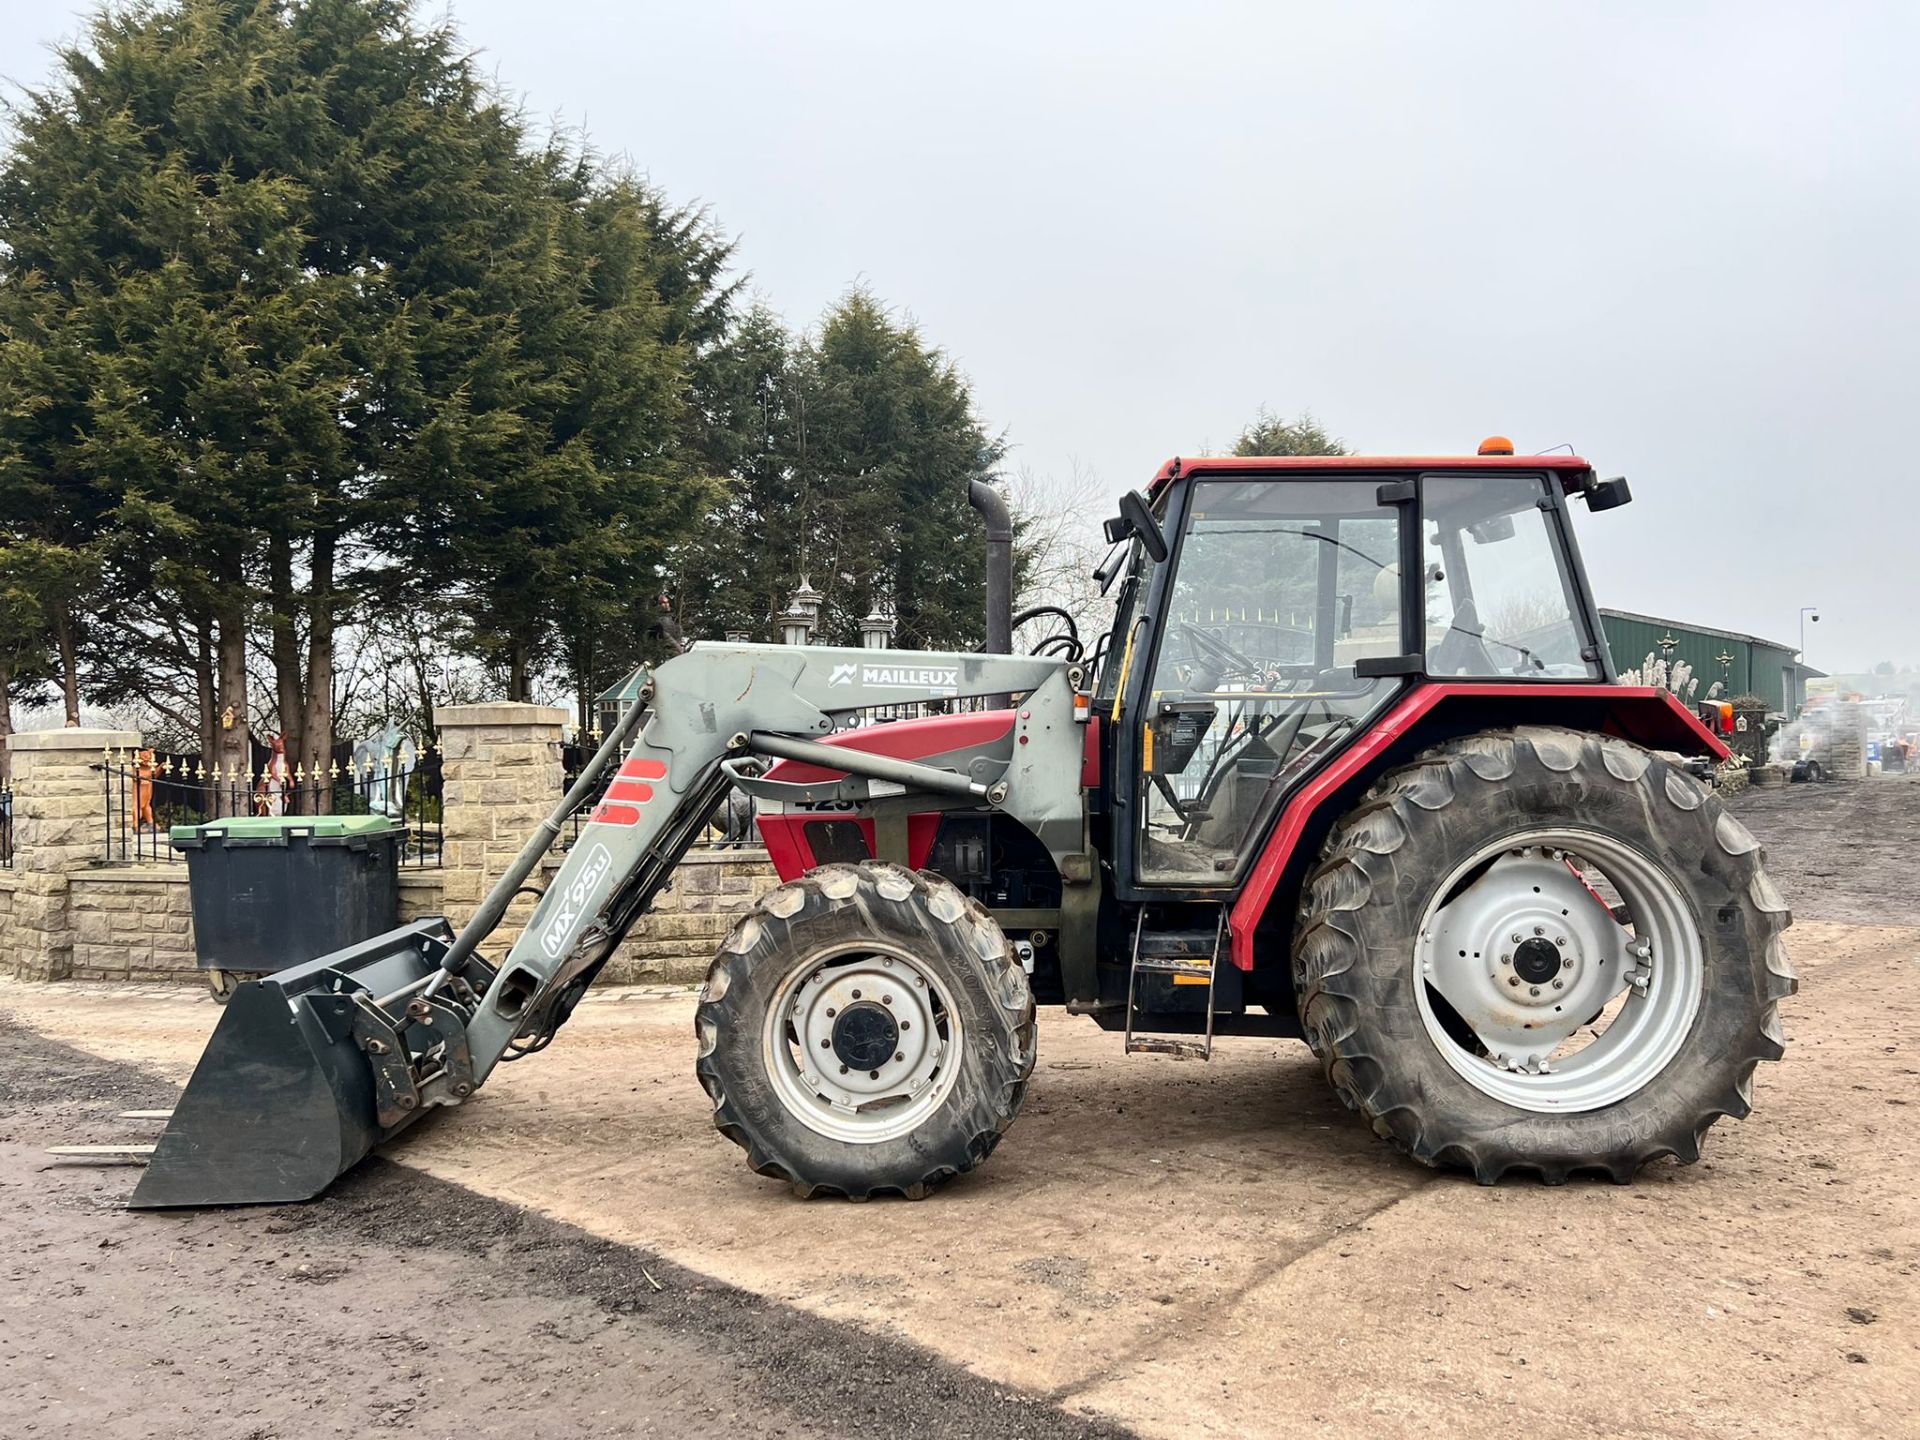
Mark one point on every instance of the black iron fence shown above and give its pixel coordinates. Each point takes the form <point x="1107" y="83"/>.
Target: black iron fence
<point x="6" y="829"/>
<point x="146" y="794"/>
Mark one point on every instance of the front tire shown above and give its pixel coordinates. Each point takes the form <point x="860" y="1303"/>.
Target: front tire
<point x="1452" y="940"/>
<point x="865" y="1030"/>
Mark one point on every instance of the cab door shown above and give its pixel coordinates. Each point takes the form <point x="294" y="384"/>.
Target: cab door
<point x="1243" y="678"/>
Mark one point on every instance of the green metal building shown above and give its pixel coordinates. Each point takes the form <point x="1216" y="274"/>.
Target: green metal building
<point x="1744" y="664"/>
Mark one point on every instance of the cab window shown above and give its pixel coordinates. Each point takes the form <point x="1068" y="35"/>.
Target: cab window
<point x="1279" y="587"/>
<point x="1499" y="597"/>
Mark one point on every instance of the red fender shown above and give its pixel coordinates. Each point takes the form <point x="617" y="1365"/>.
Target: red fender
<point x="1642" y="714"/>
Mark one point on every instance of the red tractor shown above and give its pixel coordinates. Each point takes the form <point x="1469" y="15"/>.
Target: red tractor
<point x="1351" y="765"/>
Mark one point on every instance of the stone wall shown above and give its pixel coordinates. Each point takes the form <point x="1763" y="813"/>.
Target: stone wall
<point x="132" y="922"/>
<point x="675" y="941"/>
<point x="502" y="775"/>
<point x="56" y="831"/>
<point x="421" y="893"/>
<point x="65" y="914"/>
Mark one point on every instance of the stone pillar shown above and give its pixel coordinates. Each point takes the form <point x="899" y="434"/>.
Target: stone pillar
<point x="59" y="826"/>
<point x="502" y="775"/>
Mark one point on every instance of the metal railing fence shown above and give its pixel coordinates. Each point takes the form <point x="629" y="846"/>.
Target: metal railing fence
<point x="145" y="794"/>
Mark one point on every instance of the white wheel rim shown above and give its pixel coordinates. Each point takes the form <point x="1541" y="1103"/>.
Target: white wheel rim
<point x="821" y="1047"/>
<point x="1486" y="952"/>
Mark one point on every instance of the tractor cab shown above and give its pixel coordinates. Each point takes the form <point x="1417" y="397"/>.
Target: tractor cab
<point x="1270" y="609"/>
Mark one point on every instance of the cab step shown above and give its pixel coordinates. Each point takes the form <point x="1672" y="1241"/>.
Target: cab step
<point x="1190" y="957"/>
<point x="1167" y="1045"/>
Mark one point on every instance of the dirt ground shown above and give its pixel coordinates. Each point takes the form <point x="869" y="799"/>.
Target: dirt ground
<point x="1842" y="852"/>
<point x="1176" y="1248"/>
<point x="403" y="1303"/>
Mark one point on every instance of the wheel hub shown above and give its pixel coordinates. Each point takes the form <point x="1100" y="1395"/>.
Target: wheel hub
<point x="865" y="1036"/>
<point x="859" y="1044"/>
<point x="1536" y="961"/>
<point x="1525" y="954"/>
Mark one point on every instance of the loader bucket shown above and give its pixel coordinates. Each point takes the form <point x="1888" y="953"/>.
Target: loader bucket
<point x="283" y="1099"/>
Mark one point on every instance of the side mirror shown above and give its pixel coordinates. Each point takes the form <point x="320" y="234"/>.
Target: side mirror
<point x="1608" y="494"/>
<point x="1136" y="519"/>
<point x="1492" y="530"/>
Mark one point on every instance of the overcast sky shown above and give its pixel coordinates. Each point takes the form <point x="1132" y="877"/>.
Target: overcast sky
<point x="1683" y="238"/>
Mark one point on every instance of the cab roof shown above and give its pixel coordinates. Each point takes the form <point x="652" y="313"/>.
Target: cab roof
<point x="1573" y="471"/>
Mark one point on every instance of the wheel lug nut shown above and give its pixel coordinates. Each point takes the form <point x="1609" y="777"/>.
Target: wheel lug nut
<point x="886" y="999"/>
<point x="826" y="1044"/>
<point x="1533" y="990"/>
<point x="856" y="994"/>
<point x="1513" y="979"/>
<point x="899" y="1054"/>
<point x="906" y="1025"/>
<point x="843" y="1069"/>
<point x="1560" y="940"/>
<point x="1516" y="937"/>
<point x="1539" y="930"/>
<point x="1506" y="959"/>
<point x="829" y="1012"/>
<point x="1567" y="964"/>
<point x="873" y="1074"/>
<point x="1559" y="984"/>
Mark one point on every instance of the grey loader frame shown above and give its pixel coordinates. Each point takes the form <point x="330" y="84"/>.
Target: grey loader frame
<point x="312" y="1067"/>
<point x="708" y="720"/>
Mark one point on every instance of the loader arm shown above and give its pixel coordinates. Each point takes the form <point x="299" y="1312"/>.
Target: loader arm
<point x="710" y="713"/>
<point x="420" y="1018"/>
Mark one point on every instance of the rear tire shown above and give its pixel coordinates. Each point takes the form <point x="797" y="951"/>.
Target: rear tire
<point x="944" y="1016"/>
<point x="1389" y="864"/>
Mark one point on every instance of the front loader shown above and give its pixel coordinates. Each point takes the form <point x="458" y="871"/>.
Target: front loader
<point x="1351" y="765"/>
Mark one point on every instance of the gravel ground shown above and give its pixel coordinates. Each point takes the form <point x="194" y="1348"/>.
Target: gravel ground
<point x="401" y="1303"/>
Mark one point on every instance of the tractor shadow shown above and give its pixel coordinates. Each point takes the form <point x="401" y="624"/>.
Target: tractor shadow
<point x="1259" y="1106"/>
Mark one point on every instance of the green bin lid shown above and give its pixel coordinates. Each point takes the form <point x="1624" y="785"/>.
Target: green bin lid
<point x="269" y="827"/>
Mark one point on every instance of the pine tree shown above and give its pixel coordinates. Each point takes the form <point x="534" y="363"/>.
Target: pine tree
<point x="851" y="455"/>
<point x="1271" y="435"/>
<point x="293" y="316"/>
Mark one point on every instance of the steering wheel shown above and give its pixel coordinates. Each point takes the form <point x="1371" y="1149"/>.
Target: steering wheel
<point x="1218" y="648"/>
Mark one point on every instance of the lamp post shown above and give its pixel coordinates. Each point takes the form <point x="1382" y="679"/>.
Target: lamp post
<point x="877" y="629"/>
<point x="1725" y="657"/>
<point x="1805" y="611"/>
<point x="802" y="613"/>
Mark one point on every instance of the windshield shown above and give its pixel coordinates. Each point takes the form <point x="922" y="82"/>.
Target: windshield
<point x="1498" y="601"/>
<point x="1279" y="586"/>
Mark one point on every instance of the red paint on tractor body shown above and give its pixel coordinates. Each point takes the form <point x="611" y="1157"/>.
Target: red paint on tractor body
<point x="1642" y="714"/>
<point x="903" y="740"/>
<point x="791" y="853"/>
<point x="785" y="836"/>
<point x="1090" y="756"/>
<point x="1571" y="468"/>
